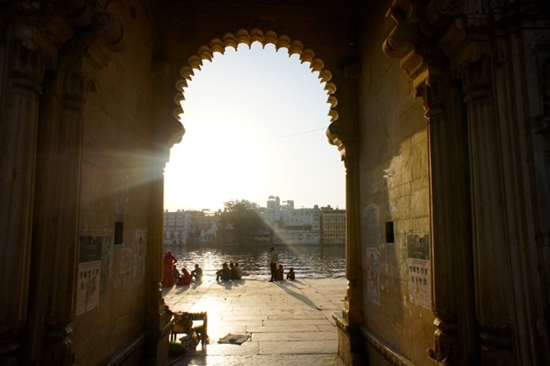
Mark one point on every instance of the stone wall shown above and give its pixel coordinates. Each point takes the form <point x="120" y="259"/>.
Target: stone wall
<point x="447" y="194"/>
<point x="116" y="190"/>
<point x="116" y="183"/>
<point x="394" y="215"/>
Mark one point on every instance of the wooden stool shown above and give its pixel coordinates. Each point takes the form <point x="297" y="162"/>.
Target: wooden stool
<point x="185" y="322"/>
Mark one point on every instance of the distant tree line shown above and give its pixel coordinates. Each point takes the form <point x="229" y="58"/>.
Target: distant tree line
<point x="245" y="218"/>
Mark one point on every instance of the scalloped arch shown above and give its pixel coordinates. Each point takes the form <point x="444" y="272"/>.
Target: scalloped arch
<point x="206" y="52"/>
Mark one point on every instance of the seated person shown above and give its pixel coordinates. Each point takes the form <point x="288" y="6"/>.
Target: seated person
<point x="280" y="273"/>
<point x="185" y="278"/>
<point x="176" y="274"/>
<point x="224" y="274"/>
<point x="197" y="273"/>
<point x="232" y="270"/>
<point x="238" y="272"/>
<point x="291" y="275"/>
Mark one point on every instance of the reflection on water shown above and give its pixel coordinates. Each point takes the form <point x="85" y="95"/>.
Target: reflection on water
<point x="307" y="261"/>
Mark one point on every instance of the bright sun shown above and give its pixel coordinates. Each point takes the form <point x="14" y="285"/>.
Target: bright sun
<point x="255" y="122"/>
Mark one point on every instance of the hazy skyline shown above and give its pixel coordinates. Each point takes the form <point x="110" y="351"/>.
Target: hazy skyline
<point x="255" y="122"/>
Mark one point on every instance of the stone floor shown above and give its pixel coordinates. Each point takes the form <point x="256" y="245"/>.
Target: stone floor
<point x="289" y="322"/>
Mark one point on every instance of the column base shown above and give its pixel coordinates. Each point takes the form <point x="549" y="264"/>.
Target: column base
<point x="496" y="349"/>
<point x="156" y="348"/>
<point x="344" y="344"/>
<point x="345" y="341"/>
<point x="8" y="350"/>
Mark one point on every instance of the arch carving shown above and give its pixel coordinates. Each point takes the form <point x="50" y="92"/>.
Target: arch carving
<point x="243" y="36"/>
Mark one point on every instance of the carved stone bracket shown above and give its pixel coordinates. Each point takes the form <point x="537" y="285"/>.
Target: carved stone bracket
<point x="110" y="30"/>
<point x="334" y="132"/>
<point x="412" y="41"/>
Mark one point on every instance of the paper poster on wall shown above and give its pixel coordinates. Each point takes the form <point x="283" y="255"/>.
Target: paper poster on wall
<point x="140" y="246"/>
<point x="89" y="273"/>
<point x="373" y="275"/>
<point x="419" y="270"/>
<point x="106" y="253"/>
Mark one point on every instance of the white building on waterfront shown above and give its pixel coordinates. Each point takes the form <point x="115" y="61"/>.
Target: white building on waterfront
<point x="304" y="225"/>
<point x="187" y="227"/>
<point x="177" y="227"/>
<point x="290" y="225"/>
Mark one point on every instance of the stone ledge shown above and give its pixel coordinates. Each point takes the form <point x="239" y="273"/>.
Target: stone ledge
<point x="393" y="357"/>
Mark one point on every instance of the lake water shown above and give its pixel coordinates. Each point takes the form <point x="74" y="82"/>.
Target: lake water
<point x="307" y="261"/>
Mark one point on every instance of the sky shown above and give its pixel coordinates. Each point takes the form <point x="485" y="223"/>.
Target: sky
<point x="255" y="122"/>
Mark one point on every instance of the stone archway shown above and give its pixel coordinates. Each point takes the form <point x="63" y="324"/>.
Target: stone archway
<point x="242" y="36"/>
<point x="341" y="132"/>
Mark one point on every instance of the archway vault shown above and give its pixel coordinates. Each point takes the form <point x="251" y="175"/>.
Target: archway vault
<point x="242" y="36"/>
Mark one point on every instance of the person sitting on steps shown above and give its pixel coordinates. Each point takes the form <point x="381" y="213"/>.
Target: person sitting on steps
<point x="197" y="273"/>
<point x="224" y="274"/>
<point x="280" y="273"/>
<point x="291" y="275"/>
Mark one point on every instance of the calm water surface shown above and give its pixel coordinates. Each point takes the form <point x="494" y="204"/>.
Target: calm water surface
<point x="308" y="262"/>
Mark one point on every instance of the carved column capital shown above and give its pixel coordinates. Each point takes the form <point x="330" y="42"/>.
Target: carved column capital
<point x="475" y="77"/>
<point x="78" y="12"/>
<point x="77" y="83"/>
<point x="434" y="94"/>
<point x="441" y="13"/>
<point x="32" y="53"/>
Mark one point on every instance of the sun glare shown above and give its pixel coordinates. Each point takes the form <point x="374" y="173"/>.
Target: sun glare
<point x="255" y="123"/>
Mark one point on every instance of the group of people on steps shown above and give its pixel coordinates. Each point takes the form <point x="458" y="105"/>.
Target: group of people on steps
<point x="232" y="271"/>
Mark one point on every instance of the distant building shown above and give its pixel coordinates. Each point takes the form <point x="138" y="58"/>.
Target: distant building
<point x="186" y="227"/>
<point x="273" y="210"/>
<point x="291" y="226"/>
<point x="305" y="225"/>
<point x="333" y="226"/>
<point x="177" y="227"/>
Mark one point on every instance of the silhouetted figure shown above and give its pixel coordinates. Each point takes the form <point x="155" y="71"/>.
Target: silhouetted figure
<point x="238" y="271"/>
<point x="280" y="273"/>
<point x="291" y="275"/>
<point x="197" y="273"/>
<point x="176" y="273"/>
<point x="185" y="278"/>
<point x="224" y="274"/>
<point x="168" y="273"/>
<point x="273" y="264"/>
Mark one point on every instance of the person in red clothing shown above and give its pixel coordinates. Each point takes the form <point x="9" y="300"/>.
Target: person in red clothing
<point x="185" y="278"/>
<point x="280" y="273"/>
<point x="168" y="273"/>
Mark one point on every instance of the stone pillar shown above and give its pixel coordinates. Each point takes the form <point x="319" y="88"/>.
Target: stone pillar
<point x="353" y="302"/>
<point x="157" y="320"/>
<point x="514" y="100"/>
<point x="58" y="202"/>
<point x="490" y="238"/>
<point x="452" y="282"/>
<point x="23" y="73"/>
<point x="351" y="347"/>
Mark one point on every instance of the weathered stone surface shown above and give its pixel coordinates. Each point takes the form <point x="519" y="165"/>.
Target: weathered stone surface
<point x="439" y="111"/>
<point x="293" y="325"/>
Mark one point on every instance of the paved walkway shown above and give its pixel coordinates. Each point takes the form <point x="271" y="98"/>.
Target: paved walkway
<point x="289" y="322"/>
